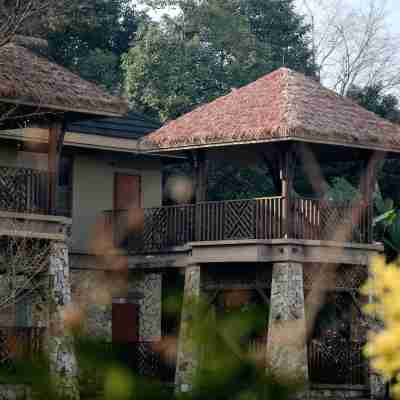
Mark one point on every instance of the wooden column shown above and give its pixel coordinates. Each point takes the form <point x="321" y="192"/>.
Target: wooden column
<point x="201" y="171"/>
<point x="287" y="164"/>
<point x="370" y="164"/>
<point x="56" y="141"/>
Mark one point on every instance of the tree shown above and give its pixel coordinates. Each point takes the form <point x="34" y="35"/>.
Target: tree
<point x="210" y="47"/>
<point x="23" y="266"/>
<point x="374" y="99"/>
<point x="353" y="45"/>
<point x="89" y="37"/>
<point x="15" y="14"/>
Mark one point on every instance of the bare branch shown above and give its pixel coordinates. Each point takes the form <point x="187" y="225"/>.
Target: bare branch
<point x="353" y="45"/>
<point x="15" y="13"/>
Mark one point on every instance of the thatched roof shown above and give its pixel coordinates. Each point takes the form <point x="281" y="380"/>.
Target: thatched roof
<point x="280" y="106"/>
<point x="28" y="79"/>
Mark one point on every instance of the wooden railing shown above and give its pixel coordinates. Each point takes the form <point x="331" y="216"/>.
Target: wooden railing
<point x="317" y="219"/>
<point x="24" y="190"/>
<point x="160" y="228"/>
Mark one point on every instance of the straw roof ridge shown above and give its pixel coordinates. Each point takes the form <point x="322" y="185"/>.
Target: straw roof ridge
<point x="29" y="79"/>
<point x="282" y="104"/>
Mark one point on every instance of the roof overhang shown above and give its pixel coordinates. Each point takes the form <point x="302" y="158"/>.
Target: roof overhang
<point x="186" y="148"/>
<point x="45" y="107"/>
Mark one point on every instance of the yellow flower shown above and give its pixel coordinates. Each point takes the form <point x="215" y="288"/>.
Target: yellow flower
<point x="383" y="348"/>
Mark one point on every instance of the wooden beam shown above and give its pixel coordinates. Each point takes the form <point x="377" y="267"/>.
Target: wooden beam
<point x="201" y="172"/>
<point x="56" y="140"/>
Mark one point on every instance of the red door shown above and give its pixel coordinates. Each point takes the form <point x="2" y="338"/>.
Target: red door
<point x="127" y="192"/>
<point x="125" y="323"/>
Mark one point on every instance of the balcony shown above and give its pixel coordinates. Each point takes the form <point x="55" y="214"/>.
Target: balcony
<point x="24" y="190"/>
<point x="25" y="208"/>
<point x="162" y="228"/>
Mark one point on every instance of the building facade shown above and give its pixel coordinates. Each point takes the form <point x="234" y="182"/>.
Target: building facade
<point x="115" y="252"/>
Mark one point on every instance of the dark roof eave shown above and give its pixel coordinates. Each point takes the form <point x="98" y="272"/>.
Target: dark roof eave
<point x="65" y="109"/>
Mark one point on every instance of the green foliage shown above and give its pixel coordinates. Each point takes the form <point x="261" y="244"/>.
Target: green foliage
<point x="210" y="47"/>
<point x="229" y="182"/>
<point x="226" y="369"/>
<point x="374" y="99"/>
<point x="387" y="226"/>
<point x="88" y="37"/>
<point x="341" y="190"/>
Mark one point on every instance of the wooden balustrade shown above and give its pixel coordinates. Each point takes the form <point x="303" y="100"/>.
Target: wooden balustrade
<point x="316" y="219"/>
<point x="159" y="228"/>
<point x="24" y="190"/>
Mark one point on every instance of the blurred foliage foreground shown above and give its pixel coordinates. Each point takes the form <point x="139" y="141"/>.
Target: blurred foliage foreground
<point x="226" y="369"/>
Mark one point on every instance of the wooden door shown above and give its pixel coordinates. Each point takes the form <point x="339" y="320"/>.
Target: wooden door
<point x="127" y="192"/>
<point x="125" y="323"/>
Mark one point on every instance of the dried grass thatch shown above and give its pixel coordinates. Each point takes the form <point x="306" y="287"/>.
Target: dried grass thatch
<point x="28" y="79"/>
<point x="282" y="105"/>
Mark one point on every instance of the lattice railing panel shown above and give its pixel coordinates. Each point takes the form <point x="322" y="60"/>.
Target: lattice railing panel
<point x="335" y="348"/>
<point x="337" y="361"/>
<point x="23" y="190"/>
<point x="239" y="222"/>
<point x="333" y="277"/>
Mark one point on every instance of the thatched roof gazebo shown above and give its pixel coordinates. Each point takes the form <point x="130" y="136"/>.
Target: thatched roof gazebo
<point x="281" y="106"/>
<point x="286" y="120"/>
<point x="37" y="92"/>
<point x="292" y="124"/>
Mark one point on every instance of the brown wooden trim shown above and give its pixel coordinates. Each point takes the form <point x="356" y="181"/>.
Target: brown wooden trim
<point x="47" y="107"/>
<point x="201" y="172"/>
<point x="56" y="141"/>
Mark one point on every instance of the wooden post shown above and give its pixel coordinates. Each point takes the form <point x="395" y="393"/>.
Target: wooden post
<point x="287" y="161"/>
<point x="201" y="176"/>
<point x="200" y="170"/>
<point x="367" y="187"/>
<point x="56" y="140"/>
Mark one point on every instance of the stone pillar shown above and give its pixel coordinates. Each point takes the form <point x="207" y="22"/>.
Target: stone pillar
<point x="187" y="357"/>
<point x="149" y="286"/>
<point x="60" y="345"/>
<point x="286" y="345"/>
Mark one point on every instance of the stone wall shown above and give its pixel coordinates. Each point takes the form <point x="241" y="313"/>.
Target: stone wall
<point x="90" y="295"/>
<point x="93" y="292"/>
<point x="148" y="286"/>
<point x="15" y="392"/>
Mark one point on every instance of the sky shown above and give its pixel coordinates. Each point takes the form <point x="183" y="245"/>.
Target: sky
<point x="393" y="9"/>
